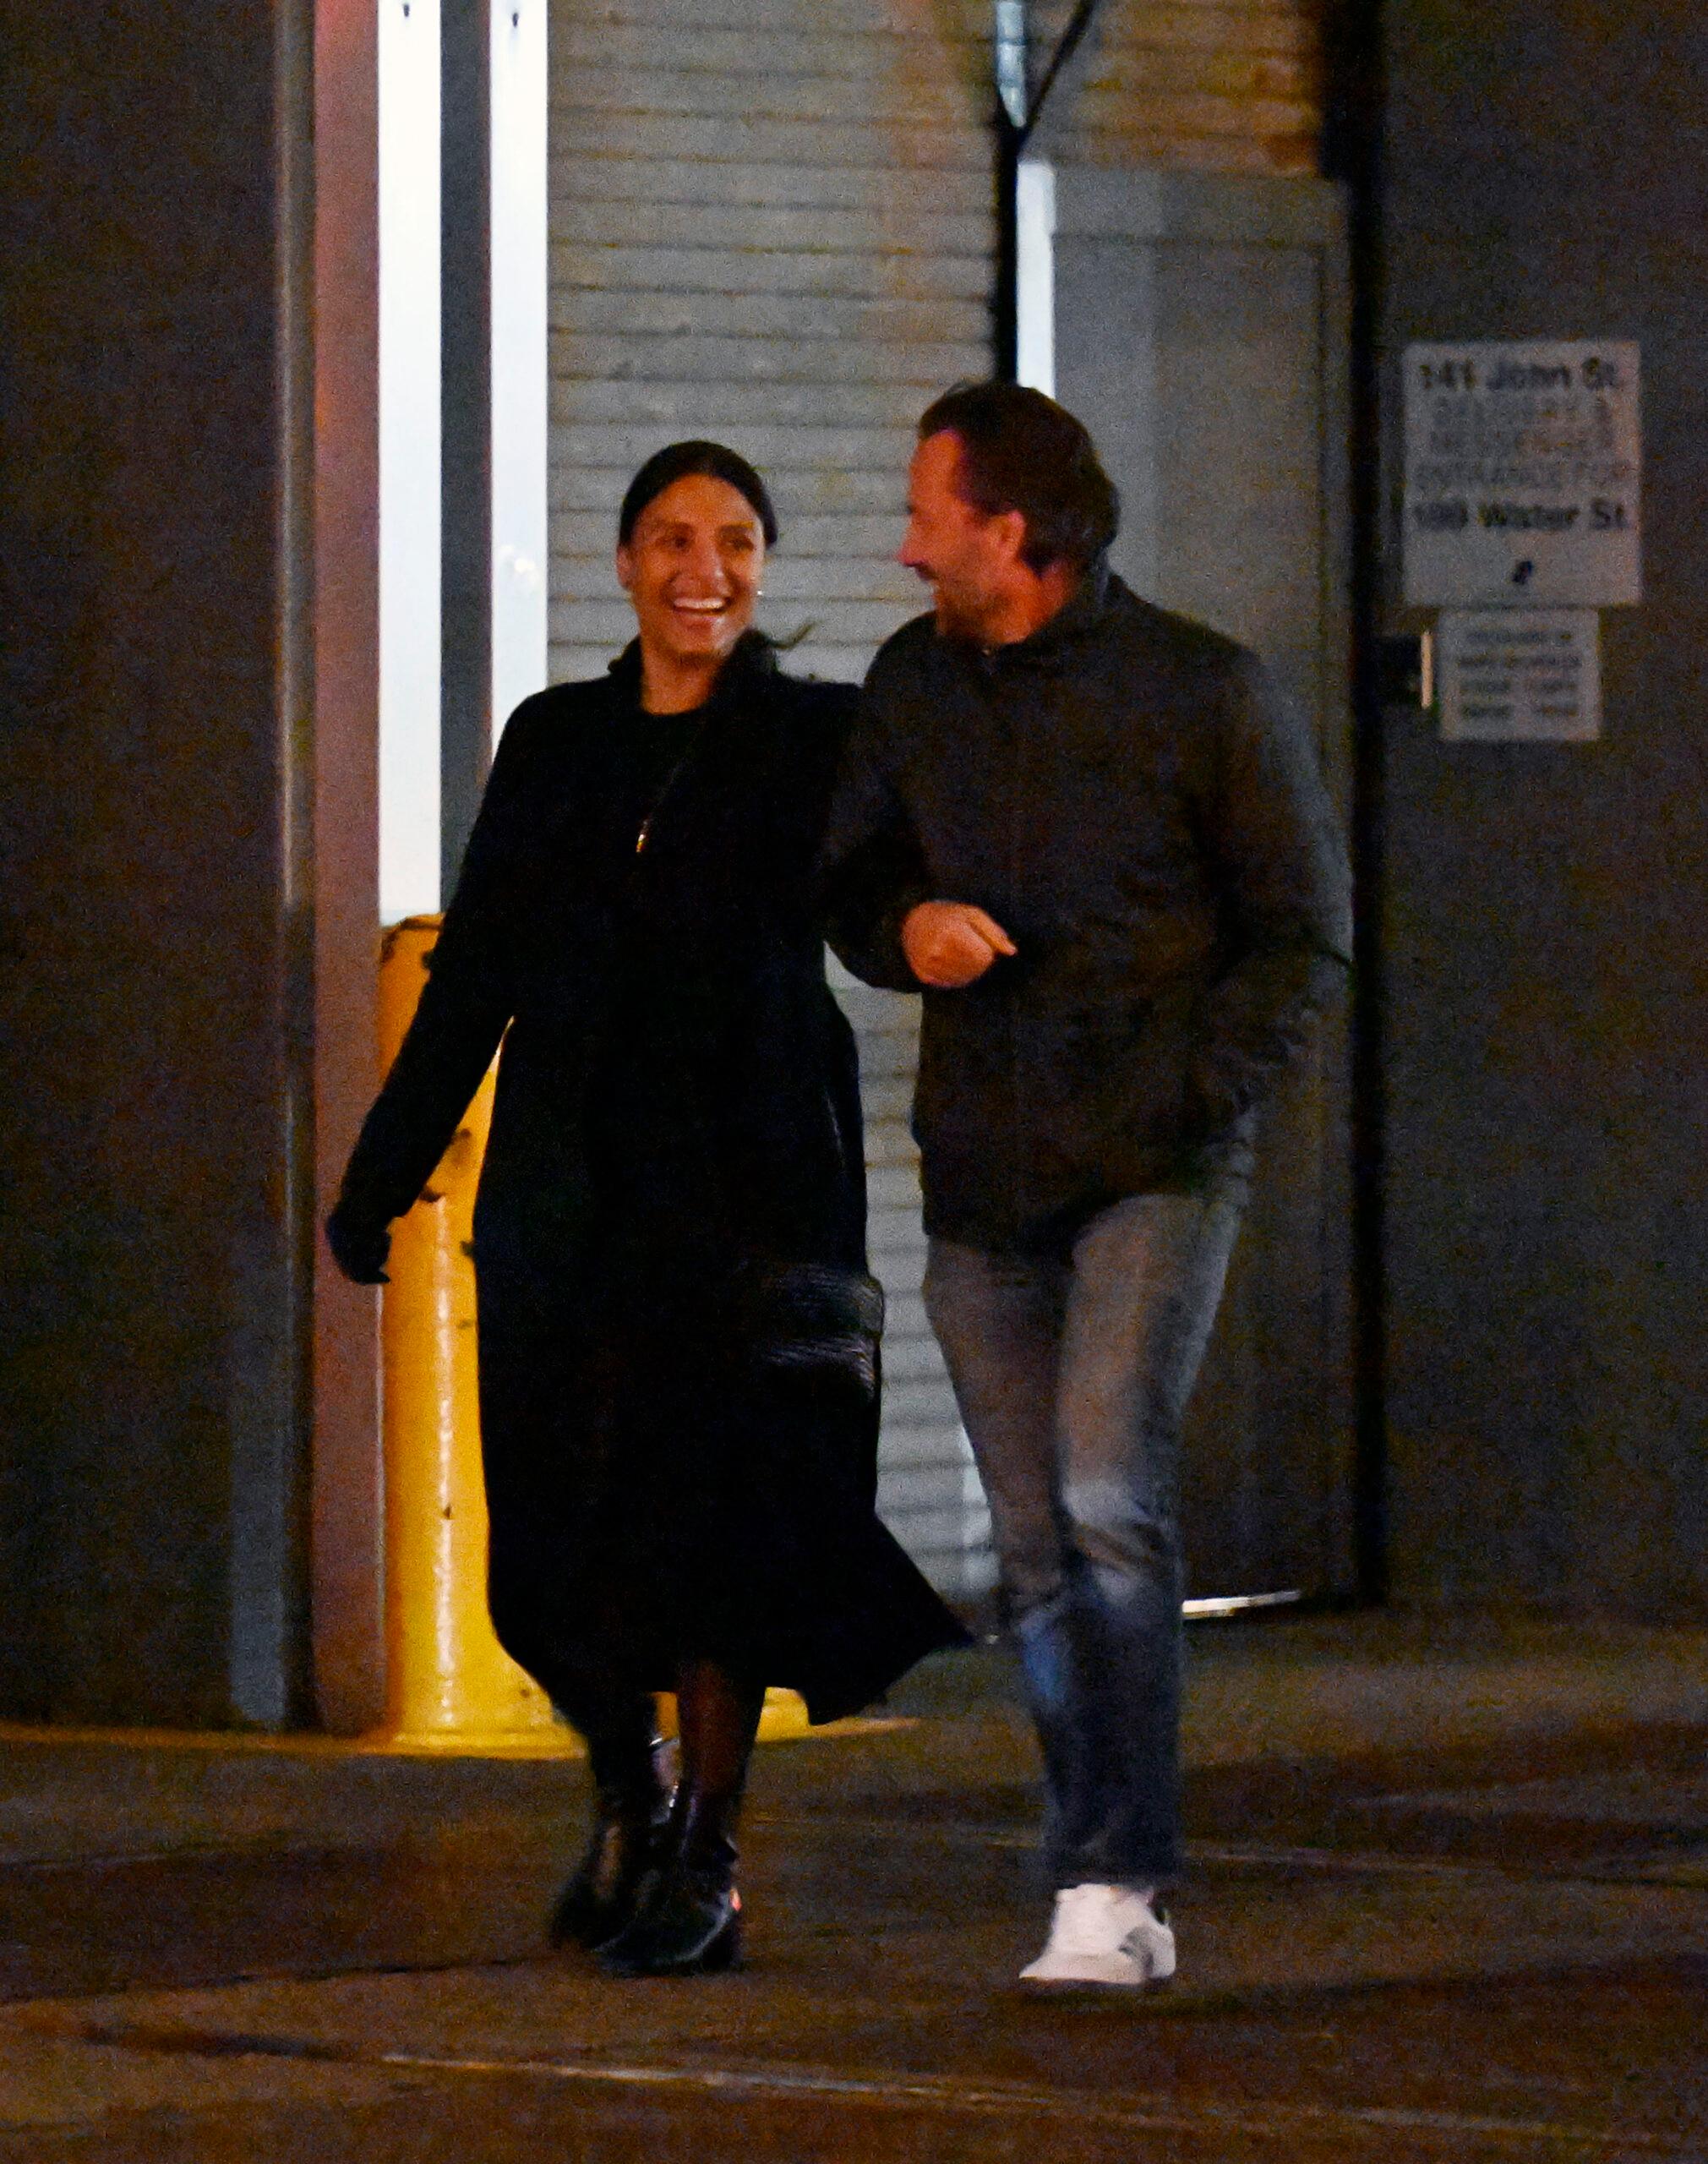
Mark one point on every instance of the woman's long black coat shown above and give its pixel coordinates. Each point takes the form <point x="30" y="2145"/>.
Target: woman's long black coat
<point x="676" y="1131"/>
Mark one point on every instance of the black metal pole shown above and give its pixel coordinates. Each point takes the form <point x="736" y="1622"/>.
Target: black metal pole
<point x="1005" y="308"/>
<point x="1352" y="155"/>
<point x="1016" y="114"/>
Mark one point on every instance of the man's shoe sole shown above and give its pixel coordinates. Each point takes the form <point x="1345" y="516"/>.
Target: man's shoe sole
<point x="1111" y="1973"/>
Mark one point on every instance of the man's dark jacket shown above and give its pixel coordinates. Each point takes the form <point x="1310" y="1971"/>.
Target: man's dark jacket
<point x="1124" y="793"/>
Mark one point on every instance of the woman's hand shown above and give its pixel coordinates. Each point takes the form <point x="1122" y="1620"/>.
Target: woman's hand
<point x="359" y="1248"/>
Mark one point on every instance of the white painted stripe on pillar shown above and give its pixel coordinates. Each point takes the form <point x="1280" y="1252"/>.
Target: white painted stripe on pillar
<point x="409" y="457"/>
<point x="1035" y="279"/>
<point x="520" y="103"/>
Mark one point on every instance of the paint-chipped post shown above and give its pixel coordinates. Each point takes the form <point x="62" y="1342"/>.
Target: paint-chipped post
<point x="449" y="1684"/>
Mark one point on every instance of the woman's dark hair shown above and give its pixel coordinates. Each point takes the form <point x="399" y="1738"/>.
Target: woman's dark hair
<point x="678" y="460"/>
<point x="1021" y="451"/>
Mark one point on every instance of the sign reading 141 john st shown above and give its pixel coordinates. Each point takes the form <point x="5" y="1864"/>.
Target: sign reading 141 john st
<point x="1522" y="464"/>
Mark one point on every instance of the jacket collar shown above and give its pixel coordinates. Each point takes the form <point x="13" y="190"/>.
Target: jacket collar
<point x="1051" y="645"/>
<point x="752" y="661"/>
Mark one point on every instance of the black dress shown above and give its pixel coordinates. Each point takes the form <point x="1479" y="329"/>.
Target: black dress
<point x="678" y="1382"/>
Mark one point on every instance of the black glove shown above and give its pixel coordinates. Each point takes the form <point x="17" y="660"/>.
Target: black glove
<point x="359" y="1247"/>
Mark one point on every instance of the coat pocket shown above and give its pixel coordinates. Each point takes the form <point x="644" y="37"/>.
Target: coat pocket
<point x="1135" y="1100"/>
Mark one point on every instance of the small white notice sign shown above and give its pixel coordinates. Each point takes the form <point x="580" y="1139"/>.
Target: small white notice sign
<point x="1523" y="461"/>
<point x="1519" y="675"/>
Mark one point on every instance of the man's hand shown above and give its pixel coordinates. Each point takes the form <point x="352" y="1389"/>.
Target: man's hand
<point x="948" y="944"/>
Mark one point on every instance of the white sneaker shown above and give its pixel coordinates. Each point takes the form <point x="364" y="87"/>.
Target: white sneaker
<point x="1104" y="1935"/>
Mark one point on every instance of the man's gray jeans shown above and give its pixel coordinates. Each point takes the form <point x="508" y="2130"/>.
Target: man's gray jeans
<point x="1072" y="1375"/>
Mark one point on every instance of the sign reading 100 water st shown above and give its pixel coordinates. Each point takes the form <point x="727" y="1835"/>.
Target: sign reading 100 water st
<point x="1522" y="464"/>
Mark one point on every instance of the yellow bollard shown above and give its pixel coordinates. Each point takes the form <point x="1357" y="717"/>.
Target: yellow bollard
<point x="449" y="1684"/>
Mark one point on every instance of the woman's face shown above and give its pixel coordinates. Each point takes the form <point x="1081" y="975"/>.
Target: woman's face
<point x="692" y="568"/>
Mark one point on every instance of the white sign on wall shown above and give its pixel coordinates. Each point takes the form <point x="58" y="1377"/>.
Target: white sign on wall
<point x="1519" y="675"/>
<point x="1522" y="467"/>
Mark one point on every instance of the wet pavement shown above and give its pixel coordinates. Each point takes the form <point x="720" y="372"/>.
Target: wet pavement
<point x="1449" y="1900"/>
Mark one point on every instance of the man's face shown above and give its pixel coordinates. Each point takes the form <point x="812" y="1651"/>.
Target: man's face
<point x="966" y="558"/>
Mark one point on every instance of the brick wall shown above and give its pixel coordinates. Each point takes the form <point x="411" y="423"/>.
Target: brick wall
<point x="1191" y="84"/>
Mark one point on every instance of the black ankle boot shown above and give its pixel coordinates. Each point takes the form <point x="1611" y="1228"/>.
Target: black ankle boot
<point x="630" y="1816"/>
<point x="687" y="1919"/>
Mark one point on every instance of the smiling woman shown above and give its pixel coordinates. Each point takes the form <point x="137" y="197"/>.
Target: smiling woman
<point x="691" y="554"/>
<point x="678" y="1333"/>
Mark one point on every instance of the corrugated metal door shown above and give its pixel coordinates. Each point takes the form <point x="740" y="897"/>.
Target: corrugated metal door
<point x="772" y="223"/>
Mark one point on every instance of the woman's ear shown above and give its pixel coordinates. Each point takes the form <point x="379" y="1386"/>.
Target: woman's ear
<point x="625" y="567"/>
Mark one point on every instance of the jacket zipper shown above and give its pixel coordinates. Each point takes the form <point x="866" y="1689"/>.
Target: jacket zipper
<point x="1018" y="748"/>
<point x="670" y="781"/>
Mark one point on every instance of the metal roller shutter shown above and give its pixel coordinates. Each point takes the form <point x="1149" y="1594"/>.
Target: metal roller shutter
<point x="770" y="223"/>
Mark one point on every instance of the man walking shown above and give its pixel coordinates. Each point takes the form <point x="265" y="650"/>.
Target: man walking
<point x="1091" y="835"/>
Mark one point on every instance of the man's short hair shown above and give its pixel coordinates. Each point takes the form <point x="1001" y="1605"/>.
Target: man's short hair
<point x="1021" y="451"/>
